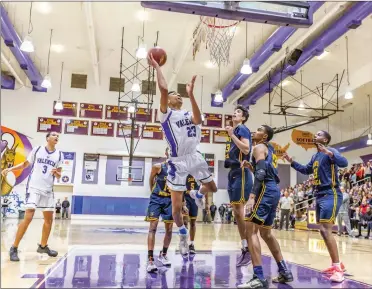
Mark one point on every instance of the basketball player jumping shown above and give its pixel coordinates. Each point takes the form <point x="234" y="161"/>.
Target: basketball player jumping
<point x="240" y="180"/>
<point x="160" y="204"/>
<point x="192" y="210"/>
<point x="324" y="165"/>
<point x="261" y="206"/>
<point x="183" y="132"/>
<point x="46" y="166"/>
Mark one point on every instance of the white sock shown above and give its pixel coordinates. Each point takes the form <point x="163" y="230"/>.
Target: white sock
<point x="191" y="242"/>
<point x="337" y="265"/>
<point x="244" y="243"/>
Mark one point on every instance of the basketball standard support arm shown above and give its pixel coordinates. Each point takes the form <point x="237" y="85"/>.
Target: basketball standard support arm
<point x="301" y="17"/>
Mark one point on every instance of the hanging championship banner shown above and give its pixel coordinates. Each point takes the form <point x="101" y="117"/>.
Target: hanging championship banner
<point x="205" y="136"/>
<point x="69" y="109"/>
<point x="303" y="139"/>
<point x="278" y="150"/>
<point x="113" y="112"/>
<point x="102" y="128"/>
<point x="68" y="169"/>
<point x="48" y="124"/>
<point x="220" y="136"/>
<point x="144" y="114"/>
<point x="228" y="120"/>
<point x="152" y="132"/>
<point x="91" y="110"/>
<point x="76" y="126"/>
<point x="126" y="130"/>
<point x="212" y="120"/>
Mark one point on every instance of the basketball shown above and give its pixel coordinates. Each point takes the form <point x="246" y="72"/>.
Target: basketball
<point x="159" y="55"/>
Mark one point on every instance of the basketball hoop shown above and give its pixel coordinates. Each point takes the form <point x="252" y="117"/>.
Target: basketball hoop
<point x="217" y="34"/>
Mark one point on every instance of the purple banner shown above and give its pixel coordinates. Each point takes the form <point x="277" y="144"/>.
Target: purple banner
<point x="126" y="130"/>
<point x="228" y="120"/>
<point x="112" y="112"/>
<point x="144" y="114"/>
<point x="212" y="120"/>
<point x="152" y="132"/>
<point x="48" y="124"/>
<point x="76" y="126"/>
<point x="91" y="110"/>
<point x="220" y="136"/>
<point x="205" y="136"/>
<point x="102" y="128"/>
<point x="69" y="109"/>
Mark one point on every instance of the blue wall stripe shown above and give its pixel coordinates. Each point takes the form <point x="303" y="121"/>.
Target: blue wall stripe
<point x="99" y="205"/>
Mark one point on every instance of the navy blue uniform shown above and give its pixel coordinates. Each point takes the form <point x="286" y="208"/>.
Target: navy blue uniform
<point x="326" y="183"/>
<point x="264" y="210"/>
<point x="191" y="184"/>
<point x="240" y="182"/>
<point x="160" y="200"/>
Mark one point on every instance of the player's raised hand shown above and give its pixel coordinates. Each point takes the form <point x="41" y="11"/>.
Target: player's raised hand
<point x="190" y="85"/>
<point x="246" y="164"/>
<point x="322" y="148"/>
<point x="287" y="158"/>
<point x="229" y="130"/>
<point x="54" y="171"/>
<point x="151" y="61"/>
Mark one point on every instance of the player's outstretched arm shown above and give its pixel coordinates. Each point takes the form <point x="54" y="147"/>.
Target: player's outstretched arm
<point x="196" y="115"/>
<point x="163" y="86"/>
<point x="306" y="170"/>
<point x="155" y="170"/>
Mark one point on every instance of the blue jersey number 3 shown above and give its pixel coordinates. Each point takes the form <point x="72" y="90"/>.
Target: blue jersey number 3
<point x="45" y="168"/>
<point x="191" y="131"/>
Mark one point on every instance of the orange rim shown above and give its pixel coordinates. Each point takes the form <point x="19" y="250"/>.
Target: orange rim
<point x="218" y="27"/>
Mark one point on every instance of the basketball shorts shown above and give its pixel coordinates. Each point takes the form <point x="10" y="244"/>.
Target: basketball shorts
<point x="180" y="167"/>
<point x="159" y="206"/>
<point x="239" y="185"/>
<point x="264" y="210"/>
<point x="36" y="199"/>
<point x="191" y="206"/>
<point x="328" y="204"/>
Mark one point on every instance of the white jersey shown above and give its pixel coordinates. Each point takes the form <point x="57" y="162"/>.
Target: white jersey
<point x="42" y="162"/>
<point x="182" y="135"/>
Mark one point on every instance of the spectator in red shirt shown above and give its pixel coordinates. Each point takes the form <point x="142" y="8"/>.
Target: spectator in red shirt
<point x="360" y="173"/>
<point x="364" y="206"/>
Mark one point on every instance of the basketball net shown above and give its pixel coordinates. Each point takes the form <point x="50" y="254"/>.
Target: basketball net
<point x="217" y="34"/>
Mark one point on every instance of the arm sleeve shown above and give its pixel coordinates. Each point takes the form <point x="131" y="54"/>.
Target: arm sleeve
<point x="306" y="170"/>
<point x="164" y="116"/>
<point x="338" y="159"/>
<point x="31" y="156"/>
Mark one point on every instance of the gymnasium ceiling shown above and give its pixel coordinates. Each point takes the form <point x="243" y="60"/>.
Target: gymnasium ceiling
<point x="72" y="45"/>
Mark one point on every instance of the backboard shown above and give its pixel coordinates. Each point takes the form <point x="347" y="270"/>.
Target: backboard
<point x="129" y="174"/>
<point x="283" y="13"/>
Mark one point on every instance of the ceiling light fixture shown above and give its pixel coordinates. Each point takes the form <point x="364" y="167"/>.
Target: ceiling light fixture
<point x="324" y="54"/>
<point x="27" y="45"/>
<point x="246" y="68"/>
<point x="59" y="104"/>
<point x="47" y="82"/>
